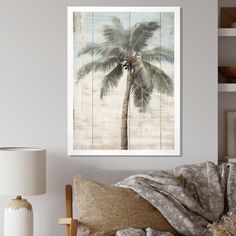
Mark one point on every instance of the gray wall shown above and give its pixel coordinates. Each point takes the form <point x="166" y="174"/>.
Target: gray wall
<point x="33" y="94"/>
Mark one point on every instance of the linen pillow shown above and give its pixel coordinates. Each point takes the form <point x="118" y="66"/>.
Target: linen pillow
<point x="105" y="209"/>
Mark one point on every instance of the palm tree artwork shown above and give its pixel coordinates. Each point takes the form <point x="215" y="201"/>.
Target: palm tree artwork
<point x="124" y="53"/>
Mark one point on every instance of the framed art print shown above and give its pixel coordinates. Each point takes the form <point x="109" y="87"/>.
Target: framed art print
<point x="124" y="81"/>
<point x="230" y="137"/>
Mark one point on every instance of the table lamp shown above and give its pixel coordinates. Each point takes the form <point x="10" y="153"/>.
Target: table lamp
<point x="22" y="173"/>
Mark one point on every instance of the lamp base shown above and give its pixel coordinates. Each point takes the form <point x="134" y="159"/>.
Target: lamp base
<point x="18" y="218"/>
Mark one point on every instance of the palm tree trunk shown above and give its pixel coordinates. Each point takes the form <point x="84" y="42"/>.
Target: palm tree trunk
<point x="125" y="111"/>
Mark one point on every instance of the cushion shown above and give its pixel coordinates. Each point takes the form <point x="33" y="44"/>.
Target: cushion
<point x="105" y="209"/>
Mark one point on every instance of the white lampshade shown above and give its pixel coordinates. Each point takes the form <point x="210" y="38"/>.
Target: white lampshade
<point x="22" y="171"/>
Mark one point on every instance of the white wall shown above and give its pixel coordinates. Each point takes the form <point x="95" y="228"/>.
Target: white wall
<point x="33" y="93"/>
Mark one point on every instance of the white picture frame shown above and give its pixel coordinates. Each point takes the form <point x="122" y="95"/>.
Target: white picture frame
<point x="176" y="151"/>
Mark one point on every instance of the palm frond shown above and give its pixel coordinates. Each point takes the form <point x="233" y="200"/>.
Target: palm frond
<point x="111" y="80"/>
<point x="124" y="35"/>
<point x="116" y="22"/>
<point x="140" y="70"/>
<point x="141" y="33"/>
<point x="158" y="54"/>
<point x="114" y="52"/>
<point x="141" y="93"/>
<point x="103" y="50"/>
<point x="96" y="66"/>
<point x="158" y="79"/>
<point x="92" y="49"/>
<point x="126" y="44"/>
<point x="113" y="34"/>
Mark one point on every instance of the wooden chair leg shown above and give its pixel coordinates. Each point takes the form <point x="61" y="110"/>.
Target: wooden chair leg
<point x="73" y="228"/>
<point x="67" y="230"/>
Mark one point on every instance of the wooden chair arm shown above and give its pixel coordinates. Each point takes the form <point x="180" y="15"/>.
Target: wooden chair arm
<point x="64" y="221"/>
<point x="71" y="224"/>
